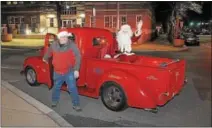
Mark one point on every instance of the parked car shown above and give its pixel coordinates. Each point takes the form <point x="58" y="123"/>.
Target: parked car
<point x="136" y="81"/>
<point x="191" y="39"/>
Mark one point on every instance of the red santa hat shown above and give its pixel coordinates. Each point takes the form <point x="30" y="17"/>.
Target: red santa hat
<point x="63" y="33"/>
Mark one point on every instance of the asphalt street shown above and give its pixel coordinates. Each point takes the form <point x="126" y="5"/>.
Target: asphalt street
<point x="191" y="108"/>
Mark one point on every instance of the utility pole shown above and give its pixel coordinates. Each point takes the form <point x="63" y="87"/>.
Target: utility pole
<point x="58" y="6"/>
<point x="117" y="27"/>
<point x="94" y="17"/>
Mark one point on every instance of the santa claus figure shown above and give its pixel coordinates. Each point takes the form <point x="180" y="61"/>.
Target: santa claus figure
<point x="124" y="37"/>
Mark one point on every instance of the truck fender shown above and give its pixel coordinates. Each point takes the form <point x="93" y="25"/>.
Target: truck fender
<point x="136" y="94"/>
<point x="32" y="63"/>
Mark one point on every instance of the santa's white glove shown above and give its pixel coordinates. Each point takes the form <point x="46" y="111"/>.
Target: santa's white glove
<point x="139" y="26"/>
<point x="76" y="74"/>
<point x="138" y="33"/>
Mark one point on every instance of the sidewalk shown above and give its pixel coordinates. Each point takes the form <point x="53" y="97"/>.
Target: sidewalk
<point x="36" y="43"/>
<point x="24" y="43"/>
<point x="20" y="110"/>
<point x="149" y="46"/>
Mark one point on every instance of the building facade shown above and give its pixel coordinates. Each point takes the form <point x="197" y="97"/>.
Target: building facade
<point x="24" y="17"/>
<point x="72" y="14"/>
<point x="40" y="17"/>
<point x="111" y="15"/>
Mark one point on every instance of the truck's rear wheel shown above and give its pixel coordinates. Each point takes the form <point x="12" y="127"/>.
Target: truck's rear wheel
<point x="31" y="76"/>
<point x="113" y="97"/>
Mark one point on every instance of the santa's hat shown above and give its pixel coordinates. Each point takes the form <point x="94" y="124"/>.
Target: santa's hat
<point x="63" y="33"/>
<point x="125" y="27"/>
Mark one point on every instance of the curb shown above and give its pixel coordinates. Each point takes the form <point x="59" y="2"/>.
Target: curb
<point x="40" y="106"/>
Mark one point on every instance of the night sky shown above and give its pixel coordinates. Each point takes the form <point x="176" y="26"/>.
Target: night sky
<point x="163" y="9"/>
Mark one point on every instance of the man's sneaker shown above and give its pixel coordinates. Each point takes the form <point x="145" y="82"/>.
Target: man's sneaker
<point x="77" y="108"/>
<point x="54" y="104"/>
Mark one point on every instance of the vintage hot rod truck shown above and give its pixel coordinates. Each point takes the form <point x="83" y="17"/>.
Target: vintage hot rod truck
<point x="136" y="81"/>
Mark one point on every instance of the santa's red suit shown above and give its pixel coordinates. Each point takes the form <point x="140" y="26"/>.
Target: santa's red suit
<point x="124" y="39"/>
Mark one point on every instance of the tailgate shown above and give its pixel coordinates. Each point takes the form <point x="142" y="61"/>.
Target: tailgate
<point x="177" y="77"/>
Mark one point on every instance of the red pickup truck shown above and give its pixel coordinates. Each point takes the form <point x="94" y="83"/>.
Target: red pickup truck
<point x="136" y="81"/>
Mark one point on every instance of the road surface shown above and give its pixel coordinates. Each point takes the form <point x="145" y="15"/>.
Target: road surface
<point x="191" y="108"/>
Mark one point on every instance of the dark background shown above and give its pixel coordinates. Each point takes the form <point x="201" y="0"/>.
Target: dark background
<point x="163" y="10"/>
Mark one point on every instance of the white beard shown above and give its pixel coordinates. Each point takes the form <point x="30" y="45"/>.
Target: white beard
<point x="124" y="41"/>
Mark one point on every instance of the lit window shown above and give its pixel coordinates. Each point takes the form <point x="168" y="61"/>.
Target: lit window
<point x="51" y="22"/>
<point x="106" y="20"/>
<point x="8" y="2"/>
<point x="10" y="20"/>
<point x="22" y="19"/>
<point x="64" y="22"/>
<point x="15" y="19"/>
<point x="110" y="21"/>
<point x="83" y="22"/>
<point x="73" y="11"/>
<point x="33" y="20"/>
<point x="114" y="21"/>
<point x="15" y="2"/>
<point x="21" y="2"/>
<point x="123" y="20"/>
<point x="70" y="11"/>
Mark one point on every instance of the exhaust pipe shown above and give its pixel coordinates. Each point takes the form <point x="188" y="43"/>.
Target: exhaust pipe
<point x="185" y="80"/>
<point x="153" y="110"/>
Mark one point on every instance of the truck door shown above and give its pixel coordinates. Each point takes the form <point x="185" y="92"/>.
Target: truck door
<point x="94" y="69"/>
<point x="49" y="39"/>
<point x="75" y="36"/>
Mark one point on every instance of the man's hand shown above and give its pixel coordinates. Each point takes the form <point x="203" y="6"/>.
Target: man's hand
<point x="76" y="74"/>
<point x="45" y="61"/>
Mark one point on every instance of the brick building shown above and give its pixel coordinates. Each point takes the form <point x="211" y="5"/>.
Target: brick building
<point x="106" y="14"/>
<point x="40" y="17"/>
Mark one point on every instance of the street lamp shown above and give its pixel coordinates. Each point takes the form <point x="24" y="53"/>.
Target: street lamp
<point x="82" y="15"/>
<point x="67" y="7"/>
<point x="191" y="24"/>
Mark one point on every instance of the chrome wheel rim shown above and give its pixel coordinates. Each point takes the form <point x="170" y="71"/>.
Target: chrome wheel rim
<point x="113" y="96"/>
<point x="31" y="76"/>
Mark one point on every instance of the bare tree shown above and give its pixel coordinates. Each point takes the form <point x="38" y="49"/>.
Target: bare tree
<point x="179" y="9"/>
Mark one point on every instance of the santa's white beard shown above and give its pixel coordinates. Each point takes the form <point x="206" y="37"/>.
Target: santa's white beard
<point x="124" y="41"/>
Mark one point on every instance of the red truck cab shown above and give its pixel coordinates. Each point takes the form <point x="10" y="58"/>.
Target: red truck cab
<point x="136" y="81"/>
